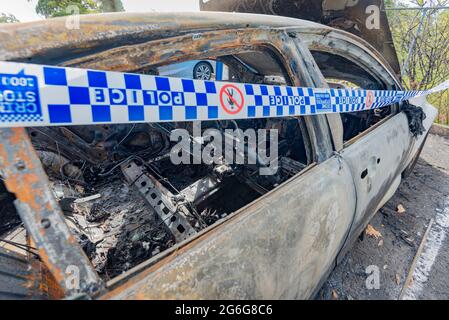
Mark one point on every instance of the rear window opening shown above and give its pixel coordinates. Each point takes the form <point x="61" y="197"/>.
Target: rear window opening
<point x="341" y="73"/>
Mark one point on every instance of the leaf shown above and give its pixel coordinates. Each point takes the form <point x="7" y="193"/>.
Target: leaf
<point x="398" y="279"/>
<point x="401" y="209"/>
<point x="380" y="243"/>
<point x="370" y="231"/>
<point x="334" y="295"/>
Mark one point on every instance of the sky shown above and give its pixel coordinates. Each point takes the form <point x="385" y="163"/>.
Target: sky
<point x="24" y="10"/>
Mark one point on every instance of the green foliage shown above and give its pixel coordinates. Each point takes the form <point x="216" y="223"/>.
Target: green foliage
<point x="7" y="18"/>
<point x="58" y="8"/>
<point x="111" y="6"/>
<point x="429" y="60"/>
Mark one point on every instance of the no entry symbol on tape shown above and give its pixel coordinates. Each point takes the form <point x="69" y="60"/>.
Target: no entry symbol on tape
<point x="369" y="99"/>
<point x="231" y="99"/>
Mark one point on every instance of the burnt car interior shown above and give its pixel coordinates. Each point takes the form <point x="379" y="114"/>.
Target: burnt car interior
<point x="123" y="198"/>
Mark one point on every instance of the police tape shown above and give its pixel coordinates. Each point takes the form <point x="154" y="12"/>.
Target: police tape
<point x="37" y="95"/>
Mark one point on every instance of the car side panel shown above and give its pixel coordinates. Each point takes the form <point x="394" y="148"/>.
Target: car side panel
<point x="376" y="159"/>
<point x="278" y="247"/>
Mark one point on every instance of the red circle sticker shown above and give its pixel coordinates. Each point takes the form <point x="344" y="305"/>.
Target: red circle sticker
<point x="369" y="99"/>
<point x="231" y="99"/>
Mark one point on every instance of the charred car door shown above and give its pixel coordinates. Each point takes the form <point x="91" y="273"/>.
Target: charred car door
<point x="377" y="144"/>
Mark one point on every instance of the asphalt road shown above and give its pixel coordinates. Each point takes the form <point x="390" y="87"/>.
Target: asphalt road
<point x="378" y="268"/>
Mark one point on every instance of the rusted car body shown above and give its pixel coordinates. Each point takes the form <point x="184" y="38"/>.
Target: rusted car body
<point x="279" y="244"/>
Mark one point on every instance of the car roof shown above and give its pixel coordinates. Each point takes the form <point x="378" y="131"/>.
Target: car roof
<point x="51" y="38"/>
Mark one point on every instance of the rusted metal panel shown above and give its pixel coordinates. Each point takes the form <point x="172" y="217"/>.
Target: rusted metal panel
<point x="160" y="199"/>
<point x="49" y="41"/>
<point x="165" y="51"/>
<point x="24" y="176"/>
<point x="356" y="19"/>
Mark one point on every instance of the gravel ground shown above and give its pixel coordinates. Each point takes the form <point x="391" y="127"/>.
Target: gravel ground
<point x="425" y="197"/>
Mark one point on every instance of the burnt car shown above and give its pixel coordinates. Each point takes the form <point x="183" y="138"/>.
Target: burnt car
<point x="105" y="213"/>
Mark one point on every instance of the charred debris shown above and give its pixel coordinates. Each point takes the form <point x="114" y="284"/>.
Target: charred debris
<point x="124" y="199"/>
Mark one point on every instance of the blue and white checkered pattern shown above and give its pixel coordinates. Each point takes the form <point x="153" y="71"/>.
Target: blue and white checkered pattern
<point x="82" y="96"/>
<point x="34" y="95"/>
<point x="7" y="118"/>
<point x="348" y="100"/>
<point x="277" y="101"/>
